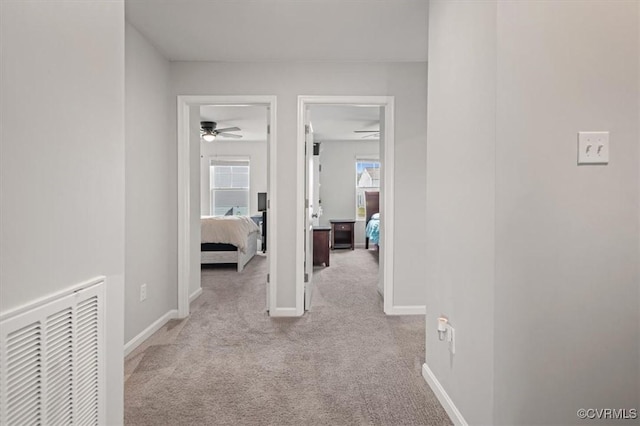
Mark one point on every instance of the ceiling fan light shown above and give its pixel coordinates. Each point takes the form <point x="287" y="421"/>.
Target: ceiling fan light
<point x="209" y="137"/>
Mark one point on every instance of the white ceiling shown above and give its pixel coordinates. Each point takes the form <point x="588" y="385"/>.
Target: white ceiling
<point x="252" y="120"/>
<point x="330" y="122"/>
<point x="284" y="30"/>
<point x="338" y="122"/>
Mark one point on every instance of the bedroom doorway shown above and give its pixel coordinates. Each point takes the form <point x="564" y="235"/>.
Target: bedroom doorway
<point x="345" y="171"/>
<point x="225" y="176"/>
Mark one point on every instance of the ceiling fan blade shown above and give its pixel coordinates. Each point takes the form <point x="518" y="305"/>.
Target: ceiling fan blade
<point x="228" y="129"/>
<point x="366" y="131"/>
<point x="229" y="135"/>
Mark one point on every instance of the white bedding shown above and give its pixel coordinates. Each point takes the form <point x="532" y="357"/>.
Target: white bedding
<point x="227" y="230"/>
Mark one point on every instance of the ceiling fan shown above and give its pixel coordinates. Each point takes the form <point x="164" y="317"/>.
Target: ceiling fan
<point x="209" y="132"/>
<point x="374" y="133"/>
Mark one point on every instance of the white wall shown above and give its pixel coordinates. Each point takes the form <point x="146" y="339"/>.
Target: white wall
<point x="256" y="151"/>
<point x="461" y="200"/>
<point x="567" y="236"/>
<point x="338" y="179"/>
<point x="540" y="276"/>
<point x="405" y="81"/>
<point x="150" y="179"/>
<point x="62" y="159"/>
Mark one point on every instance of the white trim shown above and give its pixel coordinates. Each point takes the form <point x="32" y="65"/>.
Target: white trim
<point x="387" y="205"/>
<point x="443" y="397"/>
<point x="408" y="310"/>
<point x="284" y="312"/>
<point x="195" y="294"/>
<point x="184" y="175"/>
<point x="148" y="332"/>
<point x="386" y="188"/>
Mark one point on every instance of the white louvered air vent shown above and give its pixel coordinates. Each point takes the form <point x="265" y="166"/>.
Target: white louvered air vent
<point x="51" y="361"/>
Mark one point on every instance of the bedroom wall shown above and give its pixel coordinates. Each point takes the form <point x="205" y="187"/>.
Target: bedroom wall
<point x="62" y="159"/>
<point x="555" y="326"/>
<point x="151" y="217"/>
<point x="257" y="153"/>
<point x="406" y="81"/>
<point x="338" y="177"/>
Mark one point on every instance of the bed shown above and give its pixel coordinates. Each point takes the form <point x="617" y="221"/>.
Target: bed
<point x="372" y="214"/>
<point x="228" y="239"/>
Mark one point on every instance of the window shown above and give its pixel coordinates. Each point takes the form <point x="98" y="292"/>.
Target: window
<point x="367" y="179"/>
<point x="229" y="186"/>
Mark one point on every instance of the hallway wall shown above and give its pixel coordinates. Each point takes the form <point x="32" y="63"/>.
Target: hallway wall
<point x="62" y="160"/>
<point x="406" y="81"/>
<point x="540" y="275"/>
<point x="460" y="241"/>
<point x="151" y="216"/>
<point x="567" y="235"/>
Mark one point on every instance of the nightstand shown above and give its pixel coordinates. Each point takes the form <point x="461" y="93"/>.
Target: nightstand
<point x="321" y="245"/>
<point x="342" y="233"/>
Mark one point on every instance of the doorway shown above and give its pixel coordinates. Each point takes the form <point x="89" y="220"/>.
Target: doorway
<point x="189" y="194"/>
<point x="308" y="206"/>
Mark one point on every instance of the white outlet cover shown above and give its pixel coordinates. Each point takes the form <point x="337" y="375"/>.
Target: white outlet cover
<point x="593" y="147"/>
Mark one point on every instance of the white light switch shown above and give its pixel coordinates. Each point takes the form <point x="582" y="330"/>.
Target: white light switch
<point x="593" y="147"/>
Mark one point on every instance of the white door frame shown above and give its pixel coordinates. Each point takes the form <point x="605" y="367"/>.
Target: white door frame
<point x="387" y="196"/>
<point x="184" y="189"/>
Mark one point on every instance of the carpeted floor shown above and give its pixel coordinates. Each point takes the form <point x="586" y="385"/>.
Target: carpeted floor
<point x="342" y="363"/>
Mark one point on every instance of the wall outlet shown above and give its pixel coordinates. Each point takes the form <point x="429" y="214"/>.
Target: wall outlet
<point x="593" y="147"/>
<point x="143" y="292"/>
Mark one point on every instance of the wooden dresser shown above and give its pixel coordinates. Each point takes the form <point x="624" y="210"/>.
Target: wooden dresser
<point x="342" y="231"/>
<point x="321" y="245"/>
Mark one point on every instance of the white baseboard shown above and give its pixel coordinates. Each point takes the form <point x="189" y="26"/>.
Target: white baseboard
<point x="193" y="296"/>
<point x="147" y="332"/>
<point x="408" y="310"/>
<point x="443" y="397"/>
<point x="284" y="312"/>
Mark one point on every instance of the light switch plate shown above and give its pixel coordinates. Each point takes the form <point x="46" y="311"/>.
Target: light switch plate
<point x="593" y="147"/>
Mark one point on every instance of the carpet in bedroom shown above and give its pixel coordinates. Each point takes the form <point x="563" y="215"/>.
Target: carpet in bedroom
<point x="344" y="362"/>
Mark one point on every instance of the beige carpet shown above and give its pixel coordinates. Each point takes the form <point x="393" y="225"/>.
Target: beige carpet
<point x="342" y="363"/>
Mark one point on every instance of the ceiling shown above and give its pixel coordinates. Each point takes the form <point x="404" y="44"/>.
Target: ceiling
<point x="284" y="30"/>
<point x="252" y="120"/>
<point x="338" y="122"/>
<point x="330" y="122"/>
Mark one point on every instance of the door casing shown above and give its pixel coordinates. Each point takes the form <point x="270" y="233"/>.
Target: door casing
<point x="386" y="196"/>
<point x="184" y="188"/>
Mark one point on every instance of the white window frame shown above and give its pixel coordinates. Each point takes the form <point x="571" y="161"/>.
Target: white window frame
<point x="364" y="159"/>
<point x="246" y="161"/>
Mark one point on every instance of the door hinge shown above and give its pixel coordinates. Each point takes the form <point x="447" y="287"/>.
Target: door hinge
<point x="268" y="278"/>
<point x="268" y="129"/>
<point x="268" y="204"/>
<point x="306" y="129"/>
<point x="319" y="168"/>
<point x="306" y="278"/>
<point x="306" y="203"/>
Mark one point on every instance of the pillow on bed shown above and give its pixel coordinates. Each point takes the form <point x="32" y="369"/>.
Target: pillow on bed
<point x="375" y="216"/>
<point x="229" y="212"/>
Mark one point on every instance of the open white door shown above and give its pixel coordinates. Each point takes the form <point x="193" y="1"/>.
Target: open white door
<point x="268" y="215"/>
<point x="309" y="213"/>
